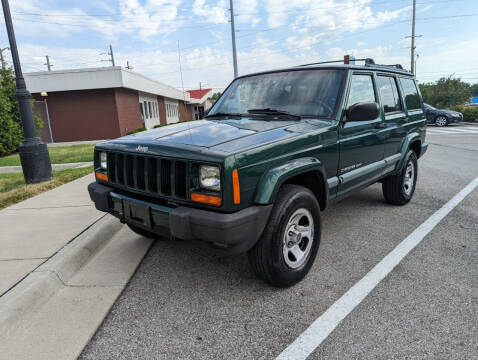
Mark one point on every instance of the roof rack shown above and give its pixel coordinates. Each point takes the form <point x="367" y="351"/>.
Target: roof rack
<point x="351" y="60"/>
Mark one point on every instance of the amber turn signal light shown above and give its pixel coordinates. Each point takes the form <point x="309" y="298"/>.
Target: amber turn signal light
<point x="206" y="199"/>
<point x="101" y="176"/>
<point x="236" y="187"/>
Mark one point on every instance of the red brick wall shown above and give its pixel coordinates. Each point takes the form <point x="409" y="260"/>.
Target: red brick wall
<point x="185" y="111"/>
<point x="83" y="115"/>
<point x="129" y="114"/>
<point x="162" y="110"/>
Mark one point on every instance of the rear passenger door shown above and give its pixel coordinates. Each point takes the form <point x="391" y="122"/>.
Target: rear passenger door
<point x="394" y="116"/>
<point x="413" y="104"/>
<point x="361" y="148"/>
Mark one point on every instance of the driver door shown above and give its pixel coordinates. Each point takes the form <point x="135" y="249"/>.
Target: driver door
<point x="361" y="146"/>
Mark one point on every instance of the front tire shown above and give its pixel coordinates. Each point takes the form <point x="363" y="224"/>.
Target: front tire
<point x="441" y="121"/>
<point x="398" y="189"/>
<point x="288" y="247"/>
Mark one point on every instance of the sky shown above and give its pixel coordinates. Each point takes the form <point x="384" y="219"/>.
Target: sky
<point x="152" y="35"/>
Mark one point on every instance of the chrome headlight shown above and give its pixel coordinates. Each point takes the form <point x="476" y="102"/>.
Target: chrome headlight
<point x="210" y="177"/>
<point x="103" y="161"/>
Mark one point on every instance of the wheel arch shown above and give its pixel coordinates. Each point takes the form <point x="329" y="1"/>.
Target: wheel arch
<point x="412" y="142"/>
<point x="307" y="172"/>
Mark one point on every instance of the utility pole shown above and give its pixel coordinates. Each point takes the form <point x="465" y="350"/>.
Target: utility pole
<point x="48" y="65"/>
<point x="113" y="57"/>
<point x="233" y="34"/>
<point x="412" y="63"/>
<point x="34" y="154"/>
<point x="2" y="59"/>
<point x="181" y="70"/>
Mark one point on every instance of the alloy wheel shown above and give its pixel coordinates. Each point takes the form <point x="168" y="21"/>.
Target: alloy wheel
<point x="298" y="238"/>
<point x="409" y="179"/>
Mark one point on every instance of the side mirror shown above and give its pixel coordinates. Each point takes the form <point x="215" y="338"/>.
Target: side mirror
<point x="362" y="111"/>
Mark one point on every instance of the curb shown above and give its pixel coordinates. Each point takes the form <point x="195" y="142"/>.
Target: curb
<point x="51" y="276"/>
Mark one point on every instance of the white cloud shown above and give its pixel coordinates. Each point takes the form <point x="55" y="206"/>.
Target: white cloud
<point x="215" y="13"/>
<point x="143" y="21"/>
<point x="330" y="15"/>
<point x="245" y="11"/>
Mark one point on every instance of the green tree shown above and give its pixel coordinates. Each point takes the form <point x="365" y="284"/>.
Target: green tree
<point x="11" y="132"/>
<point x="474" y="89"/>
<point x="446" y="92"/>
<point x="215" y="96"/>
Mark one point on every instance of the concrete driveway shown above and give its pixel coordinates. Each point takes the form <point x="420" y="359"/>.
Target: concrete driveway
<point x="186" y="303"/>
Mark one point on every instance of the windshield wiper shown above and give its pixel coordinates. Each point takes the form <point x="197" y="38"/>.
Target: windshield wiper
<point x="269" y="111"/>
<point x="224" y="114"/>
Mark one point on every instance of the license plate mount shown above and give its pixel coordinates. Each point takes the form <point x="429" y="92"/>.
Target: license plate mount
<point x="137" y="213"/>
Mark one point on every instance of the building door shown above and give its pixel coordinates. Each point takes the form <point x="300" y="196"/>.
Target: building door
<point x="172" y="111"/>
<point x="148" y="105"/>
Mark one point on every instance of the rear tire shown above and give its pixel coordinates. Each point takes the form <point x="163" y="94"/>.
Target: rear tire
<point x="398" y="189"/>
<point x="441" y="121"/>
<point x="288" y="247"/>
<point x="143" y="232"/>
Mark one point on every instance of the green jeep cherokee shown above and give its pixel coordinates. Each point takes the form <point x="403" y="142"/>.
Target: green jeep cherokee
<point x="276" y="149"/>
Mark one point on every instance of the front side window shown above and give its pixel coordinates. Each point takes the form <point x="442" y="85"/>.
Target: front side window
<point x="313" y="93"/>
<point x="389" y="94"/>
<point x="361" y="89"/>
<point x="410" y="94"/>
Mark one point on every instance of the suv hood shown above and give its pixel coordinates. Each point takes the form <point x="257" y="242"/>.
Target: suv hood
<point x="223" y="135"/>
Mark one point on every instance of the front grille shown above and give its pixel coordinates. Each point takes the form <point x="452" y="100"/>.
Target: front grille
<point x="156" y="176"/>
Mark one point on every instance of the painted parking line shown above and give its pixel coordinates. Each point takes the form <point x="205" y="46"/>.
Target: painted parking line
<point x="321" y="328"/>
<point x="461" y="131"/>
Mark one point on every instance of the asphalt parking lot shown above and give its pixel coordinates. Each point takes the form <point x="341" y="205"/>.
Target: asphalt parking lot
<point x="186" y="303"/>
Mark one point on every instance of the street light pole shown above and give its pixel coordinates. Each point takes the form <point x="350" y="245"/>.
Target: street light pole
<point x="34" y="155"/>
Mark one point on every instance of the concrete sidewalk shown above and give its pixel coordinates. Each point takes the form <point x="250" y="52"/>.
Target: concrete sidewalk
<point x="62" y="266"/>
<point x="35" y="229"/>
<point x="17" y="169"/>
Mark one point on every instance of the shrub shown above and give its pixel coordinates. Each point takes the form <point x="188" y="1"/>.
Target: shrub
<point x="136" y="130"/>
<point x="11" y="132"/>
<point x="470" y="113"/>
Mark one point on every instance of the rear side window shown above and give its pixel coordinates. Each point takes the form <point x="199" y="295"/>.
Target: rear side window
<point x="389" y="94"/>
<point x="361" y="89"/>
<point x="410" y="94"/>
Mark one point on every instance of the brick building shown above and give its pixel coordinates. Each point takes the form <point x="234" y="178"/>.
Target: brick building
<point x="103" y="103"/>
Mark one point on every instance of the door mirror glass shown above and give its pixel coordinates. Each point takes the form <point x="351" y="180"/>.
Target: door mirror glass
<point x="362" y="111"/>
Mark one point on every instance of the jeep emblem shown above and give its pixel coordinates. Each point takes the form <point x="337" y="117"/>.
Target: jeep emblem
<point x="142" y="148"/>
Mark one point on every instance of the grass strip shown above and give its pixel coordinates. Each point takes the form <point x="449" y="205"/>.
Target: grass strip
<point x="13" y="188"/>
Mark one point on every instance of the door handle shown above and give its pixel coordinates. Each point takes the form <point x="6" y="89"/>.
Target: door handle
<point x="380" y="125"/>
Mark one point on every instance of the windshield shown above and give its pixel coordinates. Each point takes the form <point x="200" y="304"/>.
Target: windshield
<point x="429" y="106"/>
<point x="313" y="93"/>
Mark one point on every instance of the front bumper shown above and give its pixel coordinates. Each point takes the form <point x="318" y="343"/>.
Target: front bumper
<point x="233" y="233"/>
